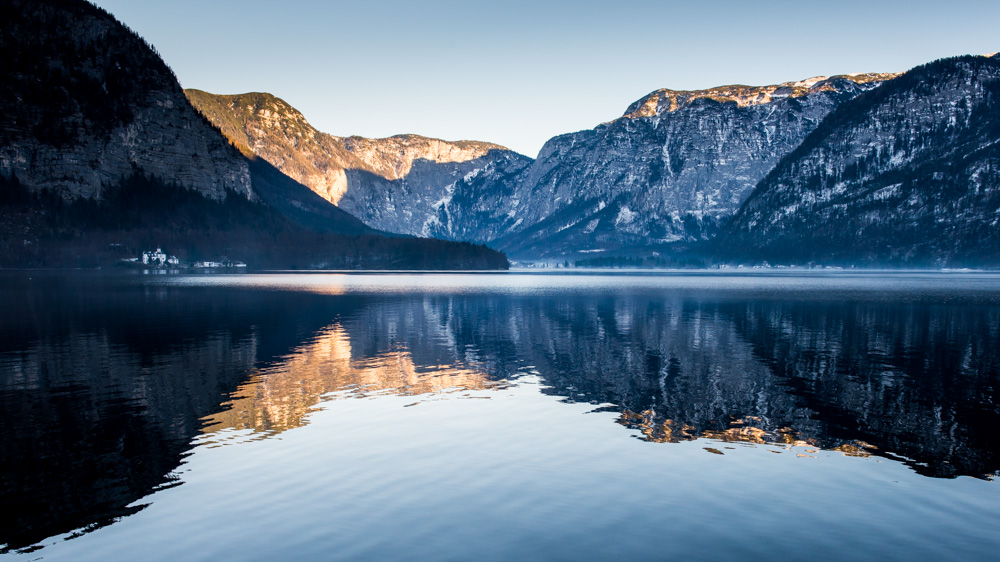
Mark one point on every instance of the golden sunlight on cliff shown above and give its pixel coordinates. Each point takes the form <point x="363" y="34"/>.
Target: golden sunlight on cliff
<point x="280" y="397"/>
<point x="263" y="125"/>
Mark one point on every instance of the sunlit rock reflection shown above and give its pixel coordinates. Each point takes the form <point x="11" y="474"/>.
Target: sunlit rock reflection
<point x="281" y="396"/>
<point x="740" y="431"/>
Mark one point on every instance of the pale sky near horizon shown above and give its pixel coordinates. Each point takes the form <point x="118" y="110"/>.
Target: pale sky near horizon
<point x="519" y="72"/>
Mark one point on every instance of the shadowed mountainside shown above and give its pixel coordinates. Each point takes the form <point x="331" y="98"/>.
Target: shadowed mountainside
<point x="906" y="175"/>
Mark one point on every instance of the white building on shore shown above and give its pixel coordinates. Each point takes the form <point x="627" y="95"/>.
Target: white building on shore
<point x="158" y="257"/>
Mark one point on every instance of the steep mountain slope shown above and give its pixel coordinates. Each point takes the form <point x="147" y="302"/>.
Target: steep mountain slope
<point x="670" y="169"/>
<point x="907" y="174"/>
<point x="79" y="114"/>
<point x="87" y="103"/>
<point x="470" y="200"/>
<point x="99" y="149"/>
<point x="398" y="184"/>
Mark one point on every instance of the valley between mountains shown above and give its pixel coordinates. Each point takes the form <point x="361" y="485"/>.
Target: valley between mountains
<point x="686" y="176"/>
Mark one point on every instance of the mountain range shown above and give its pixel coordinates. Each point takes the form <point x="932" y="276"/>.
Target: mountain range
<point x="866" y="169"/>
<point x="695" y="173"/>
<point x="102" y="155"/>
<point x="669" y="170"/>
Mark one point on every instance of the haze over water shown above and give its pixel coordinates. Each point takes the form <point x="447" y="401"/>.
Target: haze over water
<point x="452" y="416"/>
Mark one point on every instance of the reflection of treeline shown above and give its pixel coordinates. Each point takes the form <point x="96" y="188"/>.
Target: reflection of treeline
<point x="916" y="383"/>
<point x="41" y="229"/>
<point x="81" y="447"/>
<point x="72" y="461"/>
<point x="912" y="382"/>
<point x="920" y="381"/>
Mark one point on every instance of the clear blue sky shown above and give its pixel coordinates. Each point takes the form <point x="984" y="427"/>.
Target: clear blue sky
<point x="519" y="72"/>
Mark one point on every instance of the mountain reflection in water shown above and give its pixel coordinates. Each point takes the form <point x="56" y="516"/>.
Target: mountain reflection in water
<point x="279" y="398"/>
<point x="106" y="384"/>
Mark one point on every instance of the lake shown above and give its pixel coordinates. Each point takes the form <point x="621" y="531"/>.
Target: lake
<point x="516" y="415"/>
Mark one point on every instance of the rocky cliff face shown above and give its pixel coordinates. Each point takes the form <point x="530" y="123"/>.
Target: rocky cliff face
<point x="86" y="102"/>
<point x="469" y="201"/>
<point x="263" y="125"/>
<point x="399" y="184"/>
<point x="908" y="174"/>
<point x="670" y="169"/>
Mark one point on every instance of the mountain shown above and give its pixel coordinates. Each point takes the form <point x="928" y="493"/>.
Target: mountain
<point x="906" y="174"/>
<point x="670" y="170"/>
<point x="79" y="114"/>
<point x="100" y="149"/>
<point x="397" y="184"/>
<point x="472" y="201"/>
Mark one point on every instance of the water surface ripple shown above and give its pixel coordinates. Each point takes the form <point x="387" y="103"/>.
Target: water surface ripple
<point x="450" y="416"/>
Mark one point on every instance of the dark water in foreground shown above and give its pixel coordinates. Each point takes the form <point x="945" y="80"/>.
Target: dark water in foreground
<point x="571" y="417"/>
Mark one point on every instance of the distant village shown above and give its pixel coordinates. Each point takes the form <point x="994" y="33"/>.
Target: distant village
<point x="160" y="259"/>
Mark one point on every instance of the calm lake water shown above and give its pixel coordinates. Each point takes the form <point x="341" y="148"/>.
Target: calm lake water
<point x="499" y="416"/>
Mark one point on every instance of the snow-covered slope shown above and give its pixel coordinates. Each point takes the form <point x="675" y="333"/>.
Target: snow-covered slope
<point x="907" y="174"/>
<point x="669" y="170"/>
